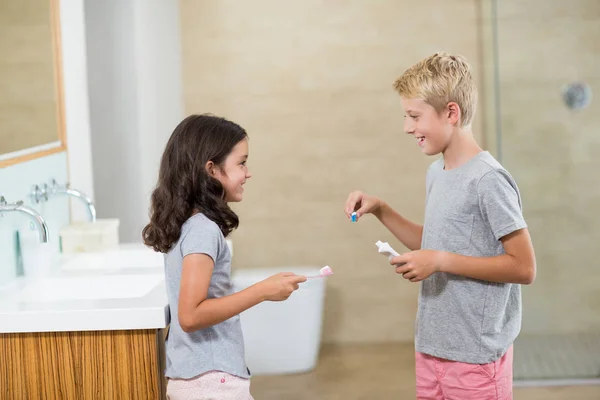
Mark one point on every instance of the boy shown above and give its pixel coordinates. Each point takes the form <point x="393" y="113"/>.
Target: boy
<point x="473" y="251"/>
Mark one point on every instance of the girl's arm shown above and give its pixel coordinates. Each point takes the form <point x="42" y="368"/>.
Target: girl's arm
<point x="196" y="312"/>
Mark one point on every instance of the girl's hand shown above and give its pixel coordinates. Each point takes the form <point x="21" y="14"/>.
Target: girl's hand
<point x="362" y="204"/>
<point x="280" y="286"/>
<point x="417" y="265"/>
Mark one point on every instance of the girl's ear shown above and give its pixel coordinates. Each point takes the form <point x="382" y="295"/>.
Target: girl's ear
<point x="210" y="168"/>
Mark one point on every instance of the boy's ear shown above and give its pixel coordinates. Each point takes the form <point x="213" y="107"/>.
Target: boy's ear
<point x="454" y="113"/>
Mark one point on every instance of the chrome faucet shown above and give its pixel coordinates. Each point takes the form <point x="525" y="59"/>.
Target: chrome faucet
<point x="18" y="206"/>
<point x="55" y="188"/>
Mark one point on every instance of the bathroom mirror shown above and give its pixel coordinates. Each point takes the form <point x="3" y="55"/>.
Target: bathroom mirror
<point x="31" y="89"/>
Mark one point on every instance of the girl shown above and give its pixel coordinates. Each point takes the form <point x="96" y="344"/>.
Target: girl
<point x="202" y="169"/>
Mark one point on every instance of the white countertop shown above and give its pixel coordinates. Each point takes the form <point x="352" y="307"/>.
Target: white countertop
<point x="89" y="296"/>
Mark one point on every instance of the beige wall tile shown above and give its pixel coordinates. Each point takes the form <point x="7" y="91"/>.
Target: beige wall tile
<point x="312" y="83"/>
<point x="540" y="10"/>
<point x="28" y="91"/>
<point x="553" y="153"/>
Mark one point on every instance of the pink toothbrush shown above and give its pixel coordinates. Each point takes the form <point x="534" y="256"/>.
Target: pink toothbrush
<point x="325" y="271"/>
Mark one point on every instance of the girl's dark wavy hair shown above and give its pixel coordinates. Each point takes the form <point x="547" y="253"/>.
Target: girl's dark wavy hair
<point x="184" y="186"/>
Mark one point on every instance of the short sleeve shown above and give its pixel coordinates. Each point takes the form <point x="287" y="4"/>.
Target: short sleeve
<point x="433" y="170"/>
<point x="500" y="203"/>
<point x="202" y="237"/>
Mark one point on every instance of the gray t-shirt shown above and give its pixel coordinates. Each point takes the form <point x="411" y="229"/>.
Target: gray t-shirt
<point x="219" y="347"/>
<point x="468" y="209"/>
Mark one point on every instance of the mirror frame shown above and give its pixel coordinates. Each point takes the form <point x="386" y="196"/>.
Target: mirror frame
<point x="42" y="150"/>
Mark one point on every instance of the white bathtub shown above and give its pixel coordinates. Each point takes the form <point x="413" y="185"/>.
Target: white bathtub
<point x="283" y="337"/>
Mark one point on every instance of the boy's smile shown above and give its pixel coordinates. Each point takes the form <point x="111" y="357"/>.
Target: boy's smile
<point x="426" y="125"/>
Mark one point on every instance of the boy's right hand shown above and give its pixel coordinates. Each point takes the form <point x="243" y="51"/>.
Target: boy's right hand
<point x="280" y="286"/>
<point x="362" y="204"/>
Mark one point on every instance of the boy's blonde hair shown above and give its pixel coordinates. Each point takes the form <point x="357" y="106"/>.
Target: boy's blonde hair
<point x="438" y="80"/>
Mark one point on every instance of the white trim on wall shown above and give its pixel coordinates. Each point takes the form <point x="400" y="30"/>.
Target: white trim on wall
<point x="77" y="118"/>
<point x="34" y="149"/>
<point x="135" y="97"/>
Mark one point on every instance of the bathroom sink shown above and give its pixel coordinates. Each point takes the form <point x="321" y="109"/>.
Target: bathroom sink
<point x="90" y="288"/>
<point x="127" y="256"/>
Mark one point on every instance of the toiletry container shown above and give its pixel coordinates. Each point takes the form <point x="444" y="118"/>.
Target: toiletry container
<point x="37" y="259"/>
<point x="83" y="237"/>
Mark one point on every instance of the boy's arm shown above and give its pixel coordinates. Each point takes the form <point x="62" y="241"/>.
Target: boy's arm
<point x="500" y="206"/>
<point x="408" y="232"/>
<point x="516" y="266"/>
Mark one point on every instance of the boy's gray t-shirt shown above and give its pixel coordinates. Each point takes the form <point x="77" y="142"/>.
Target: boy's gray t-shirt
<point x="219" y="347"/>
<point x="468" y="209"/>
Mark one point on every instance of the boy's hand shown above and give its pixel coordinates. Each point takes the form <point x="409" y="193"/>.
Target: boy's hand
<point x="417" y="265"/>
<point x="362" y="204"/>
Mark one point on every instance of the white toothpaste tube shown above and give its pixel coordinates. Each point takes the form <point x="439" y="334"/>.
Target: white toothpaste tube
<point x="386" y="249"/>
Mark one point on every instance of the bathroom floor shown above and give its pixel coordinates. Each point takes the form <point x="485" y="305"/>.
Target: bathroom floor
<point x="376" y="372"/>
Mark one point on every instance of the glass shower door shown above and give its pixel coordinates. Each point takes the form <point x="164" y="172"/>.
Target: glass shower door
<point x="547" y="70"/>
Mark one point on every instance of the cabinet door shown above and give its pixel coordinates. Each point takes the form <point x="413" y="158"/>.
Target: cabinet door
<point x="83" y="365"/>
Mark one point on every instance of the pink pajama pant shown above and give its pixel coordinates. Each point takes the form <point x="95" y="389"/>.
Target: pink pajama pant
<point x="439" y="379"/>
<point x="213" y="385"/>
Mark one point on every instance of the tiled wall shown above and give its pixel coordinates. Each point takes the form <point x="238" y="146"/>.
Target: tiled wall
<point x="27" y="81"/>
<point x="553" y="153"/>
<point x="15" y="184"/>
<point x="311" y="81"/>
